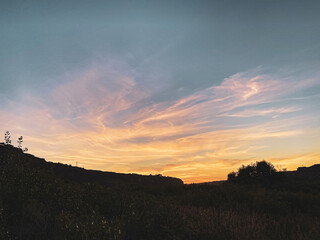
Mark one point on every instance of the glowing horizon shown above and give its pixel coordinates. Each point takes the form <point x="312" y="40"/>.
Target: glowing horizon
<point x="194" y="137"/>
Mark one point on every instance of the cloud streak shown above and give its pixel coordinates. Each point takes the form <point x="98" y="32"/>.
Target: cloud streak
<point x="104" y="118"/>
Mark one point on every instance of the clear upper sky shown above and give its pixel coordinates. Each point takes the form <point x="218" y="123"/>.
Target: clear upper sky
<point x="191" y="89"/>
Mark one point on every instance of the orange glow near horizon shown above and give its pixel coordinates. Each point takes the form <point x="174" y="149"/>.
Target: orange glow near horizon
<point x="198" y="138"/>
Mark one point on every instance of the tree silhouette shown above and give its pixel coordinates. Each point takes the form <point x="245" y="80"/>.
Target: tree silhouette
<point x="7" y="138"/>
<point x="7" y="141"/>
<point x="256" y="171"/>
<point x="246" y="172"/>
<point x="264" y="169"/>
<point x="232" y="176"/>
<point x="20" y="141"/>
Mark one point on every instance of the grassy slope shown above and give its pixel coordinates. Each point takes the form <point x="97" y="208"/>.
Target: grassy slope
<point x="38" y="203"/>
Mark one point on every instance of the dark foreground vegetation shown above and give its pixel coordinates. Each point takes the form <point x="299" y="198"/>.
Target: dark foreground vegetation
<point x="41" y="200"/>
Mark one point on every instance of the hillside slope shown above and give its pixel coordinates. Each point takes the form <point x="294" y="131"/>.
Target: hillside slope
<point x="41" y="200"/>
<point x="11" y="155"/>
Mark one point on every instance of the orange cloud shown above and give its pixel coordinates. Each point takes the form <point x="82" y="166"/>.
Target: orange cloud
<point x="104" y="119"/>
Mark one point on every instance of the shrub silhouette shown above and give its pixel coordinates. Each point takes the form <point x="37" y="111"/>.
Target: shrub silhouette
<point x="232" y="176"/>
<point x="264" y="169"/>
<point x="257" y="171"/>
<point x="247" y="172"/>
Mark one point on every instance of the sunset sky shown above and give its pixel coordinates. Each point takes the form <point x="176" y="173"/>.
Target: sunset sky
<point x="189" y="89"/>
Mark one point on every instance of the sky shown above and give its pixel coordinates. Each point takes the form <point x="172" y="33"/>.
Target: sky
<point x="189" y="89"/>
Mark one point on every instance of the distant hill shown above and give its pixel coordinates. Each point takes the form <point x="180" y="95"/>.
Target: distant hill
<point x="214" y="183"/>
<point x="308" y="173"/>
<point x="11" y="155"/>
<point x="301" y="174"/>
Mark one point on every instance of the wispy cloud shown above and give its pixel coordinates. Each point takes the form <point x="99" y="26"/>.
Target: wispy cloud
<point x="104" y="118"/>
<point x="273" y="112"/>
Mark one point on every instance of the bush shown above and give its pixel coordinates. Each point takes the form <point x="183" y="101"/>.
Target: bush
<point x="259" y="171"/>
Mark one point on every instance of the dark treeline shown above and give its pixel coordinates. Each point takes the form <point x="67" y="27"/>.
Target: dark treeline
<point x="38" y="201"/>
<point x="264" y="174"/>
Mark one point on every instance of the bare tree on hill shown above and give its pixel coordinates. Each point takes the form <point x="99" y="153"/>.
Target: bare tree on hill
<point x="7" y="137"/>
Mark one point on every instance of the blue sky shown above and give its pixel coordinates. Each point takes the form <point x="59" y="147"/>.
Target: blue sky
<point x="198" y="69"/>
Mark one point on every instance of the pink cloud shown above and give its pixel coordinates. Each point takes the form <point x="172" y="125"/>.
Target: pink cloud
<point x="105" y="119"/>
<point x="273" y="112"/>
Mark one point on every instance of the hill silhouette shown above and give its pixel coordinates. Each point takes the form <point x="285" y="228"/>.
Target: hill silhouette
<point x="81" y="175"/>
<point x="43" y="200"/>
<point x="308" y="173"/>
